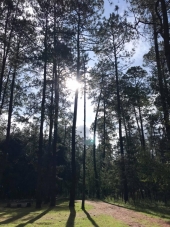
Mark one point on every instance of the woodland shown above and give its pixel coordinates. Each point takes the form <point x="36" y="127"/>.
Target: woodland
<point x="45" y="43"/>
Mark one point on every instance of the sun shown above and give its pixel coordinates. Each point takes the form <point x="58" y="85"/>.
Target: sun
<point x="72" y="84"/>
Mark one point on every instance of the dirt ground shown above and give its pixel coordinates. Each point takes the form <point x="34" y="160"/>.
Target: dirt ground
<point x="130" y="217"/>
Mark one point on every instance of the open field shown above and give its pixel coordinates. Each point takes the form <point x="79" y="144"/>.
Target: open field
<point x="97" y="213"/>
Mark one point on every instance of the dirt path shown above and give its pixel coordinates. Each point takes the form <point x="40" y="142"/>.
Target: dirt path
<point x="129" y="217"/>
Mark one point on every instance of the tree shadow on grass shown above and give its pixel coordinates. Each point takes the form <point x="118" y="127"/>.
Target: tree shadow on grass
<point x="90" y="219"/>
<point x="35" y="218"/>
<point x="62" y="204"/>
<point x="71" y="218"/>
<point x="16" y="217"/>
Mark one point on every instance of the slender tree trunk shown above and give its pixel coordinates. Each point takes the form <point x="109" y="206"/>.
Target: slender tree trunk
<point x="10" y="106"/>
<point x="54" y="164"/>
<point x="161" y="87"/>
<point x="7" y="45"/>
<point x="125" y="187"/>
<point x="166" y="87"/>
<point x="94" y="151"/>
<point x="51" y="113"/>
<point x="56" y="74"/>
<point x="166" y="33"/>
<point x="126" y="131"/>
<point x="40" y="151"/>
<point x="65" y="133"/>
<point x="137" y="121"/>
<point x="104" y="131"/>
<point x="4" y="92"/>
<point x="11" y="98"/>
<point x="141" y="124"/>
<point x="73" y="161"/>
<point x="2" y="74"/>
<point x="84" y="153"/>
<point x="5" y="52"/>
<point x="49" y="174"/>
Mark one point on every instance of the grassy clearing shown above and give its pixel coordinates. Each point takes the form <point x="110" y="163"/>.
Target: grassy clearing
<point x="147" y="207"/>
<point x="59" y="216"/>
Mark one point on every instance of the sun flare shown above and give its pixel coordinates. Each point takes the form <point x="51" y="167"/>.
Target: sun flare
<point x="72" y="84"/>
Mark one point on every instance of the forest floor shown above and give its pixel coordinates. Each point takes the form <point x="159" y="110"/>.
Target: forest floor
<point x="130" y="217"/>
<point x="97" y="214"/>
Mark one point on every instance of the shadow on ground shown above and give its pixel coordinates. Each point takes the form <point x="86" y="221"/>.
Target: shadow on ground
<point x="20" y="213"/>
<point x="35" y="218"/>
<point x="90" y="219"/>
<point x="71" y="218"/>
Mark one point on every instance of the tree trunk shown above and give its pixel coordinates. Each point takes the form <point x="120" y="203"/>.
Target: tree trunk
<point x="10" y="106"/>
<point x="4" y="92"/>
<point x="73" y="161"/>
<point x="40" y="151"/>
<point x="84" y="153"/>
<point x="11" y="98"/>
<point x="104" y="131"/>
<point x="161" y="87"/>
<point x="51" y="113"/>
<point x="49" y="161"/>
<point x="125" y="187"/>
<point x="56" y="75"/>
<point x="137" y="121"/>
<point x="141" y="124"/>
<point x="94" y="151"/>
<point x="166" y="33"/>
<point x="126" y="131"/>
<point x="6" y="46"/>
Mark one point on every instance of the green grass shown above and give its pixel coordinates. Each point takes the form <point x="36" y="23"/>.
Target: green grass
<point x="147" y="207"/>
<point x="59" y="216"/>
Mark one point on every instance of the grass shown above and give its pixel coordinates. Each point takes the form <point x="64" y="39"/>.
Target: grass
<point x="147" y="207"/>
<point x="59" y="216"/>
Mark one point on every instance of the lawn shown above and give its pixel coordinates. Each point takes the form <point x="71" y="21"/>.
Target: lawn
<point x="59" y="216"/>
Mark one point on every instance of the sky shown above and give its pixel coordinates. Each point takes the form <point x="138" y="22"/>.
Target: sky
<point x="141" y="48"/>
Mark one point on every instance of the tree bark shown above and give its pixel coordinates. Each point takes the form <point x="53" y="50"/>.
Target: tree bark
<point x="84" y="153"/>
<point x="40" y="151"/>
<point x="94" y="151"/>
<point x="137" y="121"/>
<point x="11" y="97"/>
<point x="141" y="124"/>
<point x="73" y="161"/>
<point x="49" y="161"/>
<point x="166" y="33"/>
<point x="6" y="46"/>
<point x="4" y="91"/>
<point x="125" y="187"/>
<point x="56" y="75"/>
<point x="104" y="131"/>
<point x="161" y="87"/>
